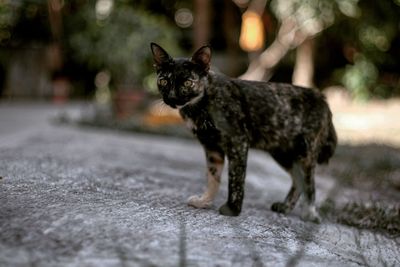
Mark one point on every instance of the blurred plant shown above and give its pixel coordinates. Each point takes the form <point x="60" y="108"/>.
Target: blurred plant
<point x="370" y="28"/>
<point x="22" y="23"/>
<point x="372" y="37"/>
<point x="103" y="94"/>
<point x="359" y="77"/>
<point x="8" y="18"/>
<point x="313" y="16"/>
<point x="115" y="37"/>
<point x="299" y="21"/>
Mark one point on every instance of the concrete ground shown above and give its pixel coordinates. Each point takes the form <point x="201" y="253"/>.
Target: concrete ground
<point x="83" y="197"/>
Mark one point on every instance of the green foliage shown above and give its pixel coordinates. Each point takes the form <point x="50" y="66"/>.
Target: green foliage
<point x="359" y="77"/>
<point x="370" y="28"/>
<point x="372" y="35"/>
<point x="8" y="18"/>
<point x="119" y="41"/>
<point x="313" y="16"/>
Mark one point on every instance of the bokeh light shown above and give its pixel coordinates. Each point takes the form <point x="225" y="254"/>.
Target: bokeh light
<point x="252" y="32"/>
<point x="184" y="17"/>
<point x="104" y="8"/>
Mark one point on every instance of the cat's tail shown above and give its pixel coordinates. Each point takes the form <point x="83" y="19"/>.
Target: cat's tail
<point x="328" y="145"/>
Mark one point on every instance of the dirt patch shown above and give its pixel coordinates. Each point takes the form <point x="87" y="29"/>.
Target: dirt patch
<point x="378" y="217"/>
<point x="371" y="177"/>
<point x="371" y="216"/>
<point x="369" y="166"/>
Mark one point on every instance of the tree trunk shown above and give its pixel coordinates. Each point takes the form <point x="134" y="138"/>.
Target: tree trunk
<point x="231" y="32"/>
<point x="289" y="36"/>
<point x="56" y="26"/>
<point x="303" y="72"/>
<point x="261" y="67"/>
<point x="202" y="22"/>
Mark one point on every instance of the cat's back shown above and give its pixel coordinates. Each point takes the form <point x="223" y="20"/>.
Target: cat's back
<point x="271" y="90"/>
<point x="221" y="86"/>
<point x="260" y="90"/>
<point x="267" y="101"/>
<point x="281" y="97"/>
<point x="265" y="98"/>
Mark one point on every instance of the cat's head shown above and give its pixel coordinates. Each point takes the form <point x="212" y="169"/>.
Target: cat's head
<point x="181" y="81"/>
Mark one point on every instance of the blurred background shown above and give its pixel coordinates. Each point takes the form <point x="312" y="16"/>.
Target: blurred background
<point x="98" y="52"/>
<point x="88" y="63"/>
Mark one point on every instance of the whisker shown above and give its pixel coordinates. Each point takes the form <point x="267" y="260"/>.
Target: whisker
<point x="159" y="106"/>
<point x="158" y="101"/>
<point x="163" y="108"/>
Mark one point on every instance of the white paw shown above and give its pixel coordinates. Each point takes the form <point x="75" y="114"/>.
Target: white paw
<point x="310" y="213"/>
<point x="199" y="202"/>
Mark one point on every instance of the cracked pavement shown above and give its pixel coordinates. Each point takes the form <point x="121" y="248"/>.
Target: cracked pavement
<point x="83" y="197"/>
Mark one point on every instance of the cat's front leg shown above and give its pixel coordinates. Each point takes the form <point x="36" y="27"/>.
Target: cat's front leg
<point x="215" y="165"/>
<point x="237" y="157"/>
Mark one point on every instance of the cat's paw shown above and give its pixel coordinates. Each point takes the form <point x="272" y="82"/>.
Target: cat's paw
<point x="228" y="211"/>
<point x="280" y="207"/>
<point x="311" y="214"/>
<point x="199" y="202"/>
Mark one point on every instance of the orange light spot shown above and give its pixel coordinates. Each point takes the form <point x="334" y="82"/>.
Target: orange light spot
<point x="252" y="32"/>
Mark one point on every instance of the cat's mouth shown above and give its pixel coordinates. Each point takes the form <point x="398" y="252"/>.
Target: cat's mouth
<point x="172" y="103"/>
<point x="176" y="105"/>
<point x="172" y="106"/>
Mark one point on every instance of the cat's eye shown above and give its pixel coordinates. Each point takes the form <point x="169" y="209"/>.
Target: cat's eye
<point x="163" y="82"/>
<point x="188" y="83"/>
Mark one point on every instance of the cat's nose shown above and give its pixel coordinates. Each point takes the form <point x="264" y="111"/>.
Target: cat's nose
<point x="172" y="98"/>
<point x="172" y="95"/>
<point x="170" y="101"/>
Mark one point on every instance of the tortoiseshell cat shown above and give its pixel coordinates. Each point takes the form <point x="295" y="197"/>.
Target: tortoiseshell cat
<point x="229" y="116"/>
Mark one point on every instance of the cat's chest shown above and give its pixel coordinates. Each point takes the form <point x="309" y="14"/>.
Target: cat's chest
<point x="200" y="123"/>
<point x="190" y="124"/>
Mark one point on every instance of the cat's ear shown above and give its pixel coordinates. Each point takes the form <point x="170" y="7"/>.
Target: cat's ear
<point x="160" y="56"/>
<point x="202" y="57"/>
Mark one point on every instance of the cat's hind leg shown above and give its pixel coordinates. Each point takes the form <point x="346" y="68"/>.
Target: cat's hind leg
<point x="215" y="165"/>
<point x="302" y="174"/>
<point x="297" y="175"/>
<point x="289" y="162"/>
<point x="309" y="211"/>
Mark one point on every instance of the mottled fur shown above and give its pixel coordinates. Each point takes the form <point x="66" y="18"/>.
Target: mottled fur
<point x="229" y="116"/>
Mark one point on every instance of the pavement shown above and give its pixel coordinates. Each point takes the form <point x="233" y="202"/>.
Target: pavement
<point x="74" y="196"/>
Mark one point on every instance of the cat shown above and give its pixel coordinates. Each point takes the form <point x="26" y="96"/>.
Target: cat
<point x="229" y="116"/>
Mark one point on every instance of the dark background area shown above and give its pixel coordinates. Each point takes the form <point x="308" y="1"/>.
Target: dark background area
<point x="54" y="49"/>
